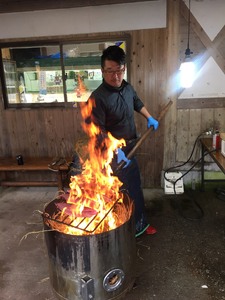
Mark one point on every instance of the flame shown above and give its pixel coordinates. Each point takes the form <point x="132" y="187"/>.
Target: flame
<point x="95" y="203"/>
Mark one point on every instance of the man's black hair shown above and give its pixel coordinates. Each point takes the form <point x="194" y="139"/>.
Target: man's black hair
<point x="114" y="53"/>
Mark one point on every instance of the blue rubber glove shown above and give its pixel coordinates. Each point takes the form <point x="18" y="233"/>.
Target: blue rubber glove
<point x="121" y="156"/>
<point x="152" y="122"/>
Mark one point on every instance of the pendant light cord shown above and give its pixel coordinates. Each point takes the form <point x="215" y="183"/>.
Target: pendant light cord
<point x="189" y="20"/>
<point x="188" y="51"/>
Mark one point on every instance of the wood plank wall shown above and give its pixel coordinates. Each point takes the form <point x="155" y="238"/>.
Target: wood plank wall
<point x="147" y="56"/>
<point x="154" y="58"/>
<point x="198" y="115"/>
<point x="53" y="132"/>
<point x="41" y="132"/>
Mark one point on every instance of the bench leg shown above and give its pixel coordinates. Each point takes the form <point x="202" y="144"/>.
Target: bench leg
<point x="60" y="180"/>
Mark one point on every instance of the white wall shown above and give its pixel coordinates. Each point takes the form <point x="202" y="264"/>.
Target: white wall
<point x="210" y="14"/>
<point x="92" y="19"/>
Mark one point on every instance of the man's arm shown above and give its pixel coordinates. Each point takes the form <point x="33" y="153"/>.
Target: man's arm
<point x="150" y="120"/>
<point x="144" y="112"/>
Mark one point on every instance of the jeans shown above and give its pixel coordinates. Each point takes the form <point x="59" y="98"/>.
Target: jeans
<point x="130" y="177"/>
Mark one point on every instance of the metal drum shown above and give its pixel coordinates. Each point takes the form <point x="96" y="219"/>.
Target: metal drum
<point x="88" y="267"/>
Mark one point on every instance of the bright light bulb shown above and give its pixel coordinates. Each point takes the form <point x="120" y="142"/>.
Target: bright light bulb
<point x="187" y="74"/>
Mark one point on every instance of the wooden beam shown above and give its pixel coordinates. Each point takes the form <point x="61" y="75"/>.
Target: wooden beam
<point x="9" y="6"/>
<point x="200" y="103"/>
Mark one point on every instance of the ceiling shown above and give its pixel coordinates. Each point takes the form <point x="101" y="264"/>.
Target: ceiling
<point x="9" y="6"/>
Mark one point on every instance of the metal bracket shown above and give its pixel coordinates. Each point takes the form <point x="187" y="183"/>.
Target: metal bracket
<point x="87" y="288"/>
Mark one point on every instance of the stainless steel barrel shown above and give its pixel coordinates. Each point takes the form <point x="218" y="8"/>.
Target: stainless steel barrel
<point x="88" y="267"/>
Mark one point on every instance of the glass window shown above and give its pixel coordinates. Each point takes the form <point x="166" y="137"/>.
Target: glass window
<point x="52" y="74"/>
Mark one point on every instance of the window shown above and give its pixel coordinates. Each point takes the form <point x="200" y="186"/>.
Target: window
<point x="51" y="74"/>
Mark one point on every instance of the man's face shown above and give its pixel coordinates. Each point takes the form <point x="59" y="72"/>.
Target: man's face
<point x="113" y="73"/>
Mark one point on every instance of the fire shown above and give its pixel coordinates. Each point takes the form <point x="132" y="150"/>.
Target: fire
<point x="95" y="203"/>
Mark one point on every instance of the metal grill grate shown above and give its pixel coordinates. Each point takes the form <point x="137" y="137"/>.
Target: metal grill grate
<point x="68" y="222"/>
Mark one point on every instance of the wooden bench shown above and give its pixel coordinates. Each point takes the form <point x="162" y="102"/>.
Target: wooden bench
<point x="59" y="166"/>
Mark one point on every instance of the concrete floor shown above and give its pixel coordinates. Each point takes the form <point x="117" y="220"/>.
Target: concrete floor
<point x="184" y="260"/>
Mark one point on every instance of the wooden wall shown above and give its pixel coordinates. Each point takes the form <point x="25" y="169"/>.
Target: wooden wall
<point x="154" y="57"/>
<point x="188" y="118"/>
<point x="148" y="61"/>
<point x="191" y="123"/>
<point x="53" y="132"/>
<point x="39" y="132"/>
<point x="195" y="116"/>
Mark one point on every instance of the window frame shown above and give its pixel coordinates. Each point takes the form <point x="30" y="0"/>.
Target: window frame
<point x="62" y="41"/>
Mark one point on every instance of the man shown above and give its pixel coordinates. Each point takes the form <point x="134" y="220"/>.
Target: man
<point x="115" y="103"/>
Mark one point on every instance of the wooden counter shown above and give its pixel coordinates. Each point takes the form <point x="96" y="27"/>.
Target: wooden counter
<point x="216" y="155"/>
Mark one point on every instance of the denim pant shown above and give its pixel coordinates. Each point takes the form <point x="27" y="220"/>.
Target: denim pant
<point x="130" y="177"/>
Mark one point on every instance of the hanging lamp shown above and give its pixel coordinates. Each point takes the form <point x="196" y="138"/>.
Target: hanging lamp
<point x="187" y="67"/>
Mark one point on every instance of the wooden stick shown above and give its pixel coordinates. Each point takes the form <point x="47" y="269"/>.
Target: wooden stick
<point x="142" y="139"/>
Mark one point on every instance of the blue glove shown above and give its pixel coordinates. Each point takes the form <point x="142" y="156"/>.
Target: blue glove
<point x="152" y="122"/>
<point x="121" y="156"/>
